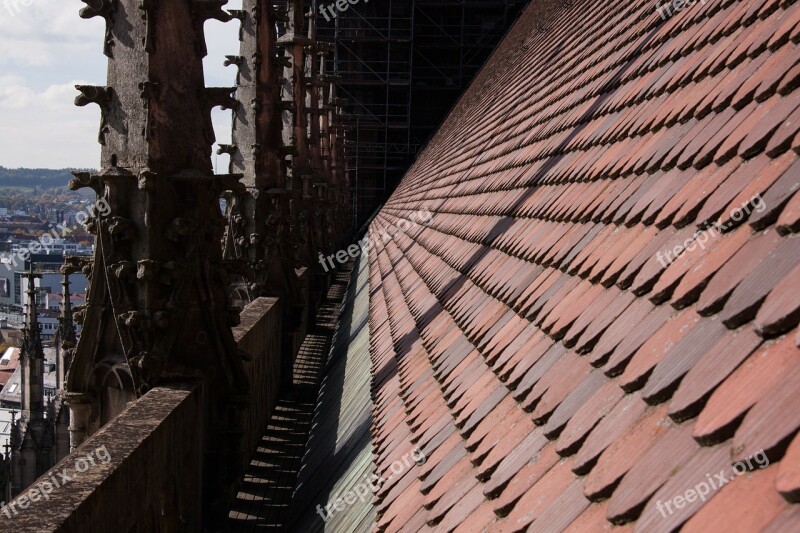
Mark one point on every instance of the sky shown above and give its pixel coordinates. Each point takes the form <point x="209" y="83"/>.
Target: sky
<point x="45" y="50"/>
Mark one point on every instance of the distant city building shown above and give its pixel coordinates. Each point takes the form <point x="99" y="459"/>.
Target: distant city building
<point x="7" y="419"/>
<point x="12" y="286"/>
<point x="57" y="247"/>
<point x="54" y="301"/>
<point x="10" y="335"/>
<point x="9" y="362"/>
<point x="11" y="394"/>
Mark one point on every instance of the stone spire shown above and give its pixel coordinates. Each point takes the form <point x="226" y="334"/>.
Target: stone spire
<point x="157" y="310"/>
<point x="32" y="355"/>
<point x="32" y="434"/>
<point x="294" y="42"/>
<point x="258" y="220"/>
<point x="158" y="251"/>
<point x="66" y="339"/>
<point x="320" y="178"/>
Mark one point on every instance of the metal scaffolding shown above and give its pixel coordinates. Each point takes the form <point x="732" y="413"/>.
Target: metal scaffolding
<point x="401" y="65"/>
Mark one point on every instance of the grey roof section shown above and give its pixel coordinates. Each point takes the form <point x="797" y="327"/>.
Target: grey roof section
<point x="337" y="465"/>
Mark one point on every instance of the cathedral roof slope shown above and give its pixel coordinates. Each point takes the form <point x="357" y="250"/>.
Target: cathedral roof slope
<point x="598" y="325"/>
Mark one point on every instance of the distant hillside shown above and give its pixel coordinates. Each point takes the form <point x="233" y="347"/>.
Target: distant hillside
<point x="29" y="178"/>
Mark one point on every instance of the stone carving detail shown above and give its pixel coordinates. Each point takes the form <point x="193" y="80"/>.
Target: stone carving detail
<point x="148" y="91"/>
<point x="220" y="96"/>
<point x="204" y="10"/>
<point x="85" y="179"/>
<point x="91" y="94"/>
<point x="233" y="60"/>
<point x="157" y="311"/>
<point x="167" y="260"/>
<point x="239" y="15"/>
<point x="229" y="149"/>
<point x="107" y="10"/>
<point x="147" y="8"/>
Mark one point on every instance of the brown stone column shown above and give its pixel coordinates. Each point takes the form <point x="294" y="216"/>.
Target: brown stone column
<point x="157" y="310"/>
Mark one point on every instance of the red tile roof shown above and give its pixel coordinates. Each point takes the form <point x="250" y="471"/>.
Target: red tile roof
<point x="545" y="340"/>
<point x="10" y="366"/>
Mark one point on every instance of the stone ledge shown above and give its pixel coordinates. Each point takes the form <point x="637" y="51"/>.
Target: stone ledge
<point x="259" y="335"/>
<point x="251" y="315"/>
<point x="143" y="455"/>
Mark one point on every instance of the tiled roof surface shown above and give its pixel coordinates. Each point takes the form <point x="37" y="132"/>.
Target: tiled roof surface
<point x="537" y="341"/>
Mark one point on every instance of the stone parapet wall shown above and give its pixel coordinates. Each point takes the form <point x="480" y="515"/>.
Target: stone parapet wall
<point x="141" y="472"/>
<point x="259" y="335"/>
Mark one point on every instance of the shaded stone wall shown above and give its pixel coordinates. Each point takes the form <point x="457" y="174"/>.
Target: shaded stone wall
<point x="259" y="335"/>
<point x="154" y="449"/>
<point x="146" y="474"/>
<point x="294" y="338"/>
